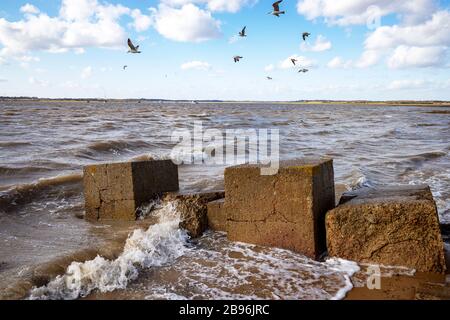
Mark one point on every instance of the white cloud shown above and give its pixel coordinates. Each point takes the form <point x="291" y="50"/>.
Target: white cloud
<point x="28" y="59"/>
<point x="79" y="50"/>
<point x="369" y="58"/>
<point x="70" y="85"/>
<point x="38" y="82"/>
<point x="360" y="12"/>
<point x="229" y="5"/>
<point x="77" y="10"/>
<point x="234" y="39"/>
<point x="269" y="68"/>
<point x="404" y="57"/>
<point x="197" y="65"/>
<point x="407" y="84"/>
<point x="80" y="24"/>
<point x="434" y="32"/>
<point x="186" y="24"/>
<point x="422" y="45"/>
<point x="106" y="69"/>
<point x="25" y="61"/>
<point x="339" y="63"/>
<point x="422" y="29"/>
<point x="302" y="62"/>
<point x="86" y="73"/>
<point x="141" y="21"/>
<point x="29" y="9"/>
<point x="321" y="44"/>
<point x="214" y="5"/>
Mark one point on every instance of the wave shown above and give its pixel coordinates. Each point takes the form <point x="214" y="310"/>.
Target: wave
<point x="221" y="269"/>
<point x="102" y="146"/>
<point x="359" y="180"/>
<point x="96" y="150"/>
<point x="427" y="125"/>
<point x="12" y="171"/>
<point x="9" y="144"/>
<point x="159" y="245"/>
<point x="216" y="267"/>
<point x="432" y="155"/>
<point x="412" y="163"/>
<point x="25" y="193"/>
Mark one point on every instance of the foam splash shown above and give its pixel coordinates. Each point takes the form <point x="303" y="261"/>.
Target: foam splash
<point x="360" y="278"/>
<point x="160" y="244"/>
<point x="222" y="270"/>
<point x="347" y="269"/>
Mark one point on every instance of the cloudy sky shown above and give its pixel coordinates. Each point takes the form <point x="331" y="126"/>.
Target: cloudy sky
<point x="358" y="49"/>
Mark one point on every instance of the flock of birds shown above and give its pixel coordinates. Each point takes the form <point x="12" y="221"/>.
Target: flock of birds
<point x="275" y="12"/>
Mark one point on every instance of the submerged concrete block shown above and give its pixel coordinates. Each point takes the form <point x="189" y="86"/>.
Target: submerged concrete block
<point x="285" y="210"/>
<point x="114" y="191"/>
<point x="391" y="226"/>
<point x="193" y="209"/>
<point x="217" y="217"/>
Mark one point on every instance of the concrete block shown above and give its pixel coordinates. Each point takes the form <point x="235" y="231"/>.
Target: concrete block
<point x="217" y="217"/>
<point x="285" y="210"/>
<point x="114" y="191"/>
<point x="397" y="226"/>
<point x="193" y="209"/>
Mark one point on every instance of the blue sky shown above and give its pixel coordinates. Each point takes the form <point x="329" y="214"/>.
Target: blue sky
<point x="358" y="49"/>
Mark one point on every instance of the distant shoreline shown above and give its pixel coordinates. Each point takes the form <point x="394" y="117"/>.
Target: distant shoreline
<point x="299" y="102"/>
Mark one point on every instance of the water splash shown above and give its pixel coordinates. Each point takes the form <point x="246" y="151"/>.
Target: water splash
<point x="160" y="244"/>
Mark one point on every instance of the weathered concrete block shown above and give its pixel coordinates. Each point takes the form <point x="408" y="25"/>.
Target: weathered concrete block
<point x="390" y="226"/>
<point x="286" y="210"/>
<point x="115" y="191"/>
<point x="193" y="209"/>
<point x="217" y="217"/>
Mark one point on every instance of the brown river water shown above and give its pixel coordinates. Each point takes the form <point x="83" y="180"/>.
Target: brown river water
<point x="44" y="145"/>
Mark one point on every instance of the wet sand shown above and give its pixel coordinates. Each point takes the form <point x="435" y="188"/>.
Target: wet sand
<point x="418" y="287"/>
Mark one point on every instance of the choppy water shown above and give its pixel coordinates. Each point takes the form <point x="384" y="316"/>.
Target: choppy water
<point x="43" y="147"/>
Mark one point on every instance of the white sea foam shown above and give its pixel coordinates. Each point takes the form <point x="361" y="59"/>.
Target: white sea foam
<point x="360" y="278"/>
<point x="220" y="269"/>
<point x="356" y="179"/>
<point x="347" y="269"/>
<point x="160" y="244"/>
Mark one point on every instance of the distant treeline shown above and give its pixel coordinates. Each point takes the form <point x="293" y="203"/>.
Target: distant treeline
<point x="397" y="102"/>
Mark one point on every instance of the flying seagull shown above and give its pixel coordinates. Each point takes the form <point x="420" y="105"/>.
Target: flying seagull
<point x="303" y="70"/>
<point x="124" y="67"/>
<point x="305" y="35"/>
<point x="269" y="78"/>
<point x="242" y="33"/>
<point x="294" y="61"/>
<point x="133" y="49"/>
<point x="237" y="58"/>
<point x="276" y="9"/>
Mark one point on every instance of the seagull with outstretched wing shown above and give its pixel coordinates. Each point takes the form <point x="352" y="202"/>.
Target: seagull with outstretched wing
<point x="242" y="33"/>
<point x="293" y="60"/>
<point x="133" y="49"/>
<point x="305" y="35"/>
<point x="237" y="58"/>
<point x="276" y="9"/>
